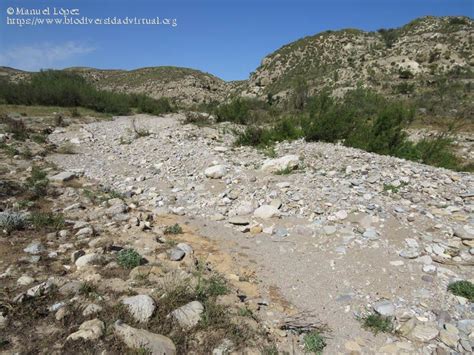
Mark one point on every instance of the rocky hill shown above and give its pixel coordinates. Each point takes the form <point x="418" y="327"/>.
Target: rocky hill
<point x="425" y="59"/>
<point x="183" y="85"/>
<point x="401" y="61"/>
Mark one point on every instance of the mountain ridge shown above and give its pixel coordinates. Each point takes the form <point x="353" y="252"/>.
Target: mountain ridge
<point x="404" y="61"/>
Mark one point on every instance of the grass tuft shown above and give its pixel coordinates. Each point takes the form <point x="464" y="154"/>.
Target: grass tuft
<point x="174" y="229"/>
<point x="462" y="288"/>
<point x="48" y="220"/>
<point x="314" y="342"/>
<point x="377" y="323"/>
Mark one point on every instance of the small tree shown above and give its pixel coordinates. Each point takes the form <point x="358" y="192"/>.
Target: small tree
<point x="300" y="94"/>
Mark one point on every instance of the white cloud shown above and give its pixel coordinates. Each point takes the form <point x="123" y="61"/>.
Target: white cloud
<point x="42" y="56"/>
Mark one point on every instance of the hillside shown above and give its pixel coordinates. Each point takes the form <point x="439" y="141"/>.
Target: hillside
<point x="422" y="58"/>
<point x="182" y="85"/>
<point x="429" y="61"/>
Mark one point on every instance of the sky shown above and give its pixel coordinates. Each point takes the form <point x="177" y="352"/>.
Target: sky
<point x="227" y="38"/>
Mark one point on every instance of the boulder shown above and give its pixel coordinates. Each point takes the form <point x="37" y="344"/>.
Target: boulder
<point x="141" y="307"/>
<point x="188" y="315"/>
<point x="216" y="171"/>
<point x="155" y="344"/>
<point x="89" y="330"/>
<point x="288" y="162"/>
<point x="266" y="211"/>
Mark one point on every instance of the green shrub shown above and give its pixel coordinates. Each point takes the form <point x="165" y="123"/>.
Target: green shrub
<point x="65" y="89"/>
<point x="211" y="287"/>
<point x="237" y="111"/>
<point x="314" y="342"/>
<point x="48" y="220"/>
<point x="12" y="221"/>
<point x="128" y="258"/>
<point x="458" y="21"/>
<point x="404" y="88"/>
<point x="39" y="138"/>
<point x="389" y="36"/>
<point x="436" y="151"/>
<point x="146" y="104"/>
<point x="462" y="288"/>
<point x="405" y="74"/>
<point x="244" y="111"/>
<point x="37" y="183"/>
<point x="174" y="229"/>
<point x="9" y="149"/>
<point x="377" y="323"/>
<point x="287" y="128"/>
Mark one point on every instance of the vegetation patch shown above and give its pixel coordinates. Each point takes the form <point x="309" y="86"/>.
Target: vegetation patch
<point x="462" y="288"/>
<point x="314" y="342"/>
<point x="129" y="258"/>
<point x="377" y="323"/>
<point x="49" y="220"/>
<point x="361" y="119"/>
<point x="37" y="183"/>
<point x="173" y="229"/>
<point x="11" y="221"/>
<point x="393" y="188"/>
<point x="66" y="89"/>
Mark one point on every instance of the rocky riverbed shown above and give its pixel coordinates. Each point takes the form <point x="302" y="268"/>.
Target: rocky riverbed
<point x="329" y="230"/>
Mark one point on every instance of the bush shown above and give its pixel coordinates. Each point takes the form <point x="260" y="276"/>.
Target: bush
<point x="314" y="342"/>
<point x="389" y="36"/>
<point x="146" y="104"/>
<point x="462" y="288"/>
<point x="48" y="220"/>
<point x="65" y="89"/>
<point x="404" y="88"/>
<point x="12" y="221"/>
<point x="244" y="111"/>
<point x="129" y="258"/>
<point x="237" y="111"/>
<point x="405" y="74"/>
<point x="288" y="128"/>
<point x="456" y="21"/>
<point x="174" y="229"/>
<point x="37" y="183"/>
<point x="377" y="323"/>
<point x="211" y="287"/>
<point x="436" y="151"/>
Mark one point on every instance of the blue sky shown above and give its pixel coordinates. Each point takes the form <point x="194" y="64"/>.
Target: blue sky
<point x="227" y="38"/>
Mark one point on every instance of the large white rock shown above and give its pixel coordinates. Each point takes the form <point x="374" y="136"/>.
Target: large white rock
<point x="88" y="259"/>
<point x="266" y="211"/>
<point x="141" y="307"/>
<point x="288" y="162"/>
<point x="89" y="330"/>
<point x="188" y="315"/>
<point x="156" y="344"/>
<point x="424" y="333"/>
<point x="64" y="176"/>
<point x="216" y="171"/>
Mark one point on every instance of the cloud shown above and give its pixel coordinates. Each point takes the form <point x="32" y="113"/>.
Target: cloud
<point x="42" y="56"/>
